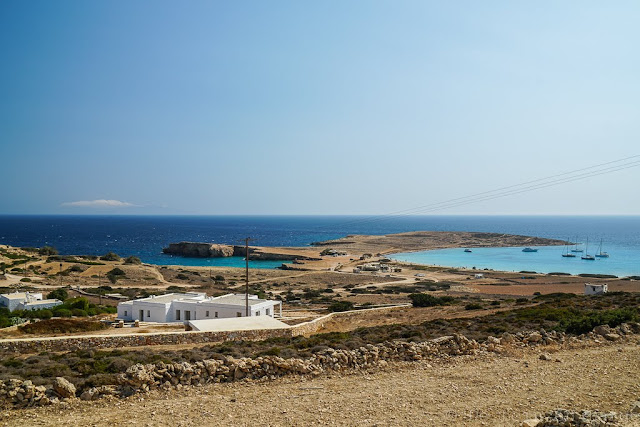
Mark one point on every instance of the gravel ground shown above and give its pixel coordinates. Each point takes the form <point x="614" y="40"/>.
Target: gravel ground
<point x="492" y="390"/>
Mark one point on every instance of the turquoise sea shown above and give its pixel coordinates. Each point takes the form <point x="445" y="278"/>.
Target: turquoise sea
<point x="145" y="236"/>
<point x="622" y="261"/>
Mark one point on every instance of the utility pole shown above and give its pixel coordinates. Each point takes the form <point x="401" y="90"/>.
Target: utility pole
<point x="60" y="274"/>
<point x="246" y="275"/>
<point x="99" y="290"/>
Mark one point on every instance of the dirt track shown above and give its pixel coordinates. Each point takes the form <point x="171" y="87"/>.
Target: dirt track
<point x="489" y="390"/>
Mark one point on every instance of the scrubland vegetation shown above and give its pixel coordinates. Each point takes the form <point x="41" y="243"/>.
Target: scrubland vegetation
<point x="562" y="312"/>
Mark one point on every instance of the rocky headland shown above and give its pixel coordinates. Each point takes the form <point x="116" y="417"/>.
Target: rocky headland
<point x="212" y="250"/>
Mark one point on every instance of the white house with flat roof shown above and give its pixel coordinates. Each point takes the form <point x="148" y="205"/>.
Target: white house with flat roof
<point x="590" y="289"/>
<point x="183" y="307"/>
<point x="26" y="301"/>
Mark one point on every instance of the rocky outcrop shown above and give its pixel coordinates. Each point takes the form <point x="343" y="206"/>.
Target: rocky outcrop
<point x="64" y="388"/>
<point x="566" y="417"/>
<point x="199" y="250"/>
<point x="211" y="250"/>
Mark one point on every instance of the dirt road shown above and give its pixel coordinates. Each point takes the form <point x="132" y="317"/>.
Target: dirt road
<point x="490" y="390"/>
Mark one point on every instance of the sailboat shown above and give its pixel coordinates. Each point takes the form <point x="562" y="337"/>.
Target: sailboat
<point x="566" y="253"/>
<point x="601" y="254"/>
<point x="576" y="248"/>
<point x="586" y="255"/>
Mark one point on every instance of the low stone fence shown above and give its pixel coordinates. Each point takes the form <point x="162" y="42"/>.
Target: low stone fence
<point x="313" y="326"/>
<point x="36" y="345"/>
<point x="142" y="378"/>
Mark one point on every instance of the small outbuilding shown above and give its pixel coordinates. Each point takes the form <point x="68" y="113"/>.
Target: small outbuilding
<point x="26" y="301"/>
<point x="590" y="289"/>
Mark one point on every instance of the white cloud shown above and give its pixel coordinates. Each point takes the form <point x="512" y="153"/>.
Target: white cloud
<point x="100" y="203"/>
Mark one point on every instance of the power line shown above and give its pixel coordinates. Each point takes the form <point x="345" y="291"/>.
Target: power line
<point x="548" y="181"/>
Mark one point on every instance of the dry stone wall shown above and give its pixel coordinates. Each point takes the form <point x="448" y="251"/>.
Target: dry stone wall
<point x="37" y="345"/>
<point x="145" y="377"/>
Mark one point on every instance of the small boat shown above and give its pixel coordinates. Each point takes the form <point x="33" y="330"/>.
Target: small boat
<point x="566" y="253"/>
<point x="586" y="255"/>
<point x="467" y="250"/>
<point x="601" y="254"/>
<point x="529" y="250"/>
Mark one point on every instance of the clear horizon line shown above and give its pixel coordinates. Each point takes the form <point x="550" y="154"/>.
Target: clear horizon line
<point x="393" y="217"/>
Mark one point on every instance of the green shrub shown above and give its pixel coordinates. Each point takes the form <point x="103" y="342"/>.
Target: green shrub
<point x="182" y="276"/>
<point x="132" y="260"/>
<point x="48" y="250"/>
<point x="76" y="269"/>
<point x="115" y="274"/>
<point x="110" y="256"/>
<point x="473" y="306"/>
<point x="586" y="322"/>
<point x="44" y="314"/>
<point x="341" y="306"/>
<point x="60" y="293"/>
<point x="62" y="312"/>
<point x="61" y="326"/>
<point x="12" y="363"/>
<point x="78" y="312"/>
<point x="426" y="300"/>
<point x="25" y="279"/>
<point x="80" y="303"/>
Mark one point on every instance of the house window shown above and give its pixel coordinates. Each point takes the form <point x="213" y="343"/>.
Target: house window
<point x="207" y="315"/>
<point x="257" y="313"/>
<point x="268" y="310"/>
<point x="148" y="313"/>
<point x="215" y="314"/>
<point x="125" y="312"/>
<point x="177" y="314"/>
<point x="238" y="314"/>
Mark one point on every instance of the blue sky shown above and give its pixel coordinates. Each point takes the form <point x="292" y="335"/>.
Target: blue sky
<point x="333" y="107"/>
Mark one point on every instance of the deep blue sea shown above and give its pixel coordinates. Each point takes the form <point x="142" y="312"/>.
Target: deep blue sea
<point x="145" y="236"/>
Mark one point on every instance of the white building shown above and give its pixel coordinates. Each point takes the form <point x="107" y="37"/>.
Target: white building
<point x="183" y="307"/>
<point x="26" y="301"/>
<point x="590" y="289"/>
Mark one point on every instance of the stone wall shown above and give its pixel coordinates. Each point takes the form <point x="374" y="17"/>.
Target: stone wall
<point x="36" y="345"/>
<point x="142" y="378"/>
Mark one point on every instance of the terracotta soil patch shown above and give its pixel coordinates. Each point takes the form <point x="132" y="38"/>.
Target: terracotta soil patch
<point x="576" y="287"/>
<point x="491" y="390"/>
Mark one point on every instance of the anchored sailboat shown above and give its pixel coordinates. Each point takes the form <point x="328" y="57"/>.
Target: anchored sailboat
<point x="576" y="247"/>
<point x="600" y="253"/>
<point x="586" y="255"/>
<point x="566" y="253"/>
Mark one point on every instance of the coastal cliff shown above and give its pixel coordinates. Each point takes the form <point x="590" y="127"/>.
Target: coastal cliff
<point x="199" y="250"/>
<point x="211" y="250"/>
